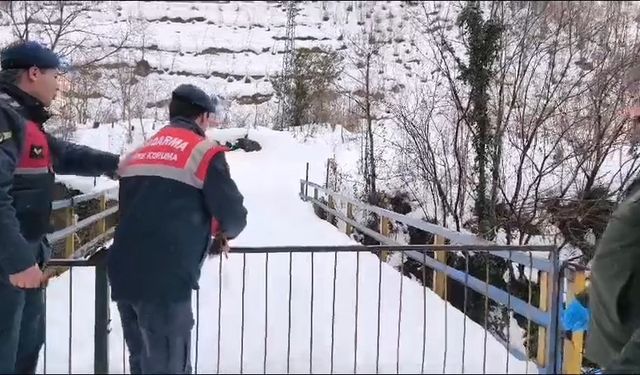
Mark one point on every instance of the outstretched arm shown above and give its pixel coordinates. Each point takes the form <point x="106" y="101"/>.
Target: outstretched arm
<point x="70" y="158"/>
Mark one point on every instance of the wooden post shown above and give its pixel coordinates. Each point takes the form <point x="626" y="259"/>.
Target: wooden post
<point x="350" y="216"/>
<point x="332" y="205"/>
<point x="326" y="175"/>
<point x="306" y="179"/>
<point x="573" y="349"/>
<point x="439" y="278"/>
<point x="69" y="247"/>
<point x="102" y="223"/>
<point x="384" y="230"/>
<point x="542" y="331"/>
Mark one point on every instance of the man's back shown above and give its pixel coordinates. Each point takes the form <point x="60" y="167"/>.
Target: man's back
<point x="165" y="220"/>
<point x="173" y="190"/>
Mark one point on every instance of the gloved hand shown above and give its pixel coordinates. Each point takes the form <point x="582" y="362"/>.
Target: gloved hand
<point x="113" y="175"/>
<point x="218" y="245"/>
<point x="576" y="317"/>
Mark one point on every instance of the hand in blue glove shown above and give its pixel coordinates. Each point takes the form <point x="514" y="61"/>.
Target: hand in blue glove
<point x="576" y="317"/>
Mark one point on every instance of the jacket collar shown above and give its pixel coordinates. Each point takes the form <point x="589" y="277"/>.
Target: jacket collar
<point x="32" y="108"/>
<point x="185" y="123"/>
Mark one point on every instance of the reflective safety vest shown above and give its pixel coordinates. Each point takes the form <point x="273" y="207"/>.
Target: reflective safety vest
<point x="33" y="183"/>
<point x="36" y="156"/>
<point x="173" y="153"/>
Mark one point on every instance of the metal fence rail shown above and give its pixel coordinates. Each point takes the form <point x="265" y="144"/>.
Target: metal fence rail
<point x="540" y="306"/>
<point x="548" y="269"/>
<point x="101" y="306"/>
<point x="98" y="219"/>
<point x="408" y="347"/>
<point x="96" y="223"/>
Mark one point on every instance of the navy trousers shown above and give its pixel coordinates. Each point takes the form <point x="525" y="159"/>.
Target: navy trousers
<point x="158" y="336"/>
<point x="21" y="328"/>
<point x="22" y="324"/>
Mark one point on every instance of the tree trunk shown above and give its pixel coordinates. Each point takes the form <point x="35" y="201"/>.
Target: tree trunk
<point x="482" y="47"/>
<point x="372" y="163"/>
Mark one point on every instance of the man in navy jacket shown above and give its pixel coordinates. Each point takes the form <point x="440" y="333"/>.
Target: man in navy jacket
<point x="29" y="159"/>
<point x="176" y="192"/>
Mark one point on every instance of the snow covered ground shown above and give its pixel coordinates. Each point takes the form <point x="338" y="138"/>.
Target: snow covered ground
<point x="277" y="217"/>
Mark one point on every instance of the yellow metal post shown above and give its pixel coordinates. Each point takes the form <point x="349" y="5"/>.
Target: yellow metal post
<point x="102" y="223"/>
<point x="439" y="278"/>
<point x="69" y="247"/>
<point x="542" y="332"/>
<point x="573" y="349"/>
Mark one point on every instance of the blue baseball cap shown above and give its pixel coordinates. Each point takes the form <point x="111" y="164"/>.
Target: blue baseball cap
<point x="193" y="95"/>
<point x="24" y="55"/>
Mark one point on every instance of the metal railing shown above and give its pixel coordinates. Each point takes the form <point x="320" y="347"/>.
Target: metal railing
<point x="544" y="314"/>
<point x="349" y="312"/>
<point x="97" y="261"/>
<point x="84" y="257"/>
<point x="437" y="273"/>
<point x="72" y="226"/>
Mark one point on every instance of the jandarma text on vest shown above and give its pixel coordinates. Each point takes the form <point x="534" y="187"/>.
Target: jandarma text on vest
<point x="170" y="141"/>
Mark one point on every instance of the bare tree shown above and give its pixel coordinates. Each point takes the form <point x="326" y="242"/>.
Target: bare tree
<point x="83" y="87"/>
<point x="432" y="163"/>
<point x="365" y="91"/>
<point x="136" y="94"/>
<point x="555" y="105"/>
<point x="59" y="23"/>
<point x="145" y="98"/>
<point x="123" y="81"/>
<point x="561" y="154"/>
<point x="435" y="118"/>
<point x="558" y="99"/>
<point x="601" y="159"/>
<point x="22" y="15"/>
<point x="536" y="80"/>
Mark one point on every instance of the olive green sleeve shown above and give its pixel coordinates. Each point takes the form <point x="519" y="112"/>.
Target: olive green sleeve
<point x="628" y="361"/>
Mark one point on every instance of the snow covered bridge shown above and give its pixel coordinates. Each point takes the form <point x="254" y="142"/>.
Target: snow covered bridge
<point x="299" y="295"/>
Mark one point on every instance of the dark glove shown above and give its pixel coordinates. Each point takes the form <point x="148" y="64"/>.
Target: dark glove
<point x="220" y="244"/>
<point x="113" y="175"/>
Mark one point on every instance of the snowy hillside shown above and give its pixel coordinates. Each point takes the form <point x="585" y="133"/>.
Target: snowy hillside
<point x="277" y="216"/>
<point x="229" y="48"/>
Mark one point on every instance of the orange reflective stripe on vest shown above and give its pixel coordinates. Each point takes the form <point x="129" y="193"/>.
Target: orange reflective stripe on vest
<point x="173" y="153"/>
<point x="36" y="156"/>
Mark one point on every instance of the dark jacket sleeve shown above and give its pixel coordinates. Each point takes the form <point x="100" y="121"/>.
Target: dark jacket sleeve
<point x="224" y="201"/>
<point x="15" y="255"/>
<point x="70" y="158"/>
